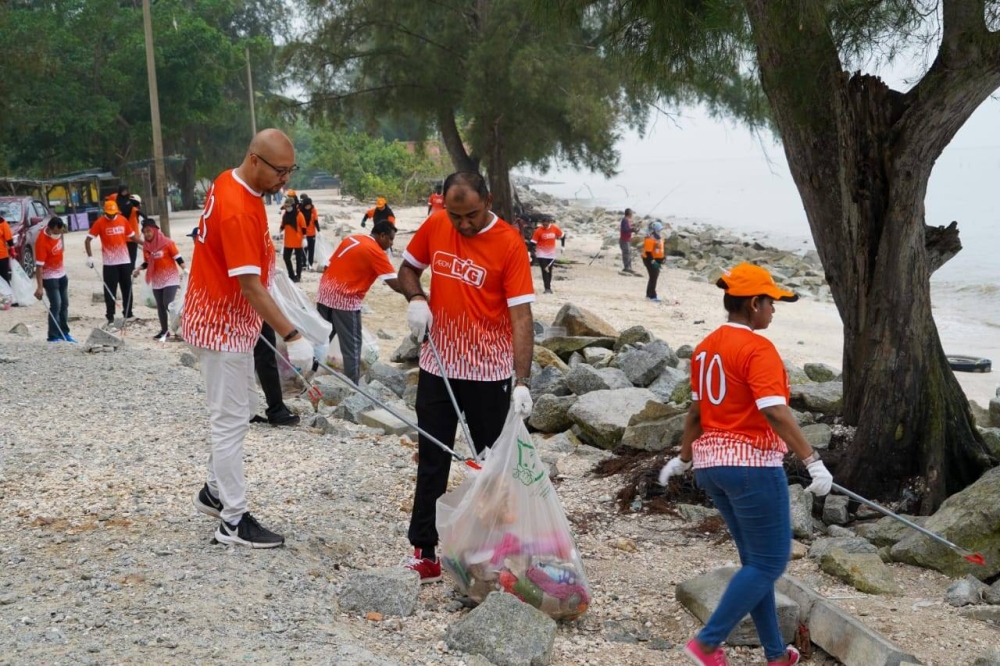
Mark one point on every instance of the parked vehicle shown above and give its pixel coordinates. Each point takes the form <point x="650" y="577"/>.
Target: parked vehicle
<point x="26" y="217"/>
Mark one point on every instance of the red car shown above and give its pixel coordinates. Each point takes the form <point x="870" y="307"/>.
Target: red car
<point x="26" y="217"/>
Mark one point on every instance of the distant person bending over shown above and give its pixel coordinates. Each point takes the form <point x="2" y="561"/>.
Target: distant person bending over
<point x="380" y="213"/>
<point x="293" y="226"/>
<point x="435" y="201"/>
<point x="625" y="231"/>
<point x="544" y="239"/>
<point x="312" y="226"/>
<point x="50" y="275"/>
<point x="164" y="267"/>
<point x="354" y="266"/>
<point x="652" y="258"/>
<point x="737" y="432"/>
<point x="114" y="231"/>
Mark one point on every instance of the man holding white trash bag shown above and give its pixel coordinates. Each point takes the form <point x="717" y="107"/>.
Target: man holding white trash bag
<point x="226" y="301"/>
<point x="478" y="316"/>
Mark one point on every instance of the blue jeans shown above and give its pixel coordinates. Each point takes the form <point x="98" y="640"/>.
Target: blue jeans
<point x="754" y="503"/>
<point x="57" y="291"/>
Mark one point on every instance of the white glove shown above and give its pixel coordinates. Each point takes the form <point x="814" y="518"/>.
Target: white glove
<point x="675" y="467"/>
<point x="522" y="401"/>
<point x="300" y="353"/>
<point x="419" y="318"/>
<point x="822" y="479"/>
<point x="90" y="262"/>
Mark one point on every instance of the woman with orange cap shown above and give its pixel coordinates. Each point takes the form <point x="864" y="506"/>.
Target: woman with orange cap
<point x="293" y="225"/>
<point x="738" y="429"/>
<point x="380" y="212"/>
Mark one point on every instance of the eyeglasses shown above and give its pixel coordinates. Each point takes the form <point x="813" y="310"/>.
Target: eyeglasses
<point x="281" y="171"/>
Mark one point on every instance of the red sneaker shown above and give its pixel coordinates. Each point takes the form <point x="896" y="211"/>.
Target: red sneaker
<point x="697" y="656"/>
<point x="429" y="570"/>
<point x="793" y="658"/>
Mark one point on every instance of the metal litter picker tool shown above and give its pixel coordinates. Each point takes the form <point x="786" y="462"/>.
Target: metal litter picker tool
<point x="975" y="558"/>
<point x="468" y="462"/>
<point x="45" y="304"/>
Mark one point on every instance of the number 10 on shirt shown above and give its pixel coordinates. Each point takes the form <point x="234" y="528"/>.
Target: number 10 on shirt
<point x="711" y="380"/>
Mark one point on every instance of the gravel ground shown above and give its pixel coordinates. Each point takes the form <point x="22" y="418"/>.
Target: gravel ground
<point x="106" y="561"/>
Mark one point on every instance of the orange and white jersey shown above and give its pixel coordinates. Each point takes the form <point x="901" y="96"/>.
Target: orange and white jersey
<point x="5" y="235"/>
<point x="545" y="241"/>
<point x="735" y="373"/>
<point x="49" y="256"/>
<point x="233" y="240"/>
<point x="474" y="283"/>
<point x="294" y="235"/>
<point x="356" y="263"/>
<point x="161" y="269"/>
<point x="436" y="202"/>
<point x="114" y="233"/>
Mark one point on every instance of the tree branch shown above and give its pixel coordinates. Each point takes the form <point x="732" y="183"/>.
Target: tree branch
<point x="942" y="244"/>
<point x="315" y="99"/>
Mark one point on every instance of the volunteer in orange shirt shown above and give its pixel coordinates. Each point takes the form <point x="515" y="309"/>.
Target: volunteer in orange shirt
<point x="129" y="206"/>
<point x="544" y="239"/>
<point x="652" y="258"/>
<point x="164" y="267"/>
<point x="293" y="226"/>
<point x="435" y="201"/>
<point x="224" y="306"/>
<point x="6" y="245"/>
<point x="312" y="226"/>
<point x="738" y="429"/>
<point x="479" y="316"/>
<point x="355" y="265"/>
<point x="50" y="274"/>
<point x="380" y="212"/>
<point x="114" y="232"/>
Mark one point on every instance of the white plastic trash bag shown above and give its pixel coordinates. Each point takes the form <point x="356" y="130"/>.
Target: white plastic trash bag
<point x="22" y="285"/>
<point x="324" y="250"/>
<point x="175" y="311"/>
<point x="146" y="295"/>
<point x="297" y="308"/>
<point x="504" y="529"/>
<point x="6" y="295"/>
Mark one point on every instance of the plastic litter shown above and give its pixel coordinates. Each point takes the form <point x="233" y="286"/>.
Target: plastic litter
<point x="505" y="529"/>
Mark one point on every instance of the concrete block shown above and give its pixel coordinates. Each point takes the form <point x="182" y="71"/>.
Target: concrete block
<point x="701" y="595"/>
<point x="843" y="636"/>
<point x="380" y="418"/>
<point x="800" y="593"/>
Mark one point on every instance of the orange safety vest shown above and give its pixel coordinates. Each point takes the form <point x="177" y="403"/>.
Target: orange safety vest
<point x="652" y="248"/>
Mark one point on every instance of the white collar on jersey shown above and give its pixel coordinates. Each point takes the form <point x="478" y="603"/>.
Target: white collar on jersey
<point x="490" y="225"/>
<point x="735" y="325"/>
<point x="248" y="188"/>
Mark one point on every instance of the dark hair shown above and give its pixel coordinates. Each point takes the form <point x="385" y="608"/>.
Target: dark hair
<point x="437" y="188"/>
<point x="383" y="227"/>
<point x="123" y="188"/>
<point x="736" y="304"/>
<point x="55" y="223"/>
<point x="628" y="211"/>
<point x="304" y="200"/>
<point x="473" y="181"/>
<point x="290" y="216"/>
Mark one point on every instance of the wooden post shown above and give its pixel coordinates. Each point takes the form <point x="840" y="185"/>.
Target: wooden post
<point x="154" y="107"/>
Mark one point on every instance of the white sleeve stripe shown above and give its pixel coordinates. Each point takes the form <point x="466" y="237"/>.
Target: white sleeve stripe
<point x="694" y="396"/>
<point x="244" y="270"/>
<point x="178" y="256"/>
<point x="410" y="260"/>
<point x="770" y="401"/>
<point x="387" y="276"/>
<point x="91" y="237"/>
<point x="39" y="262"/>
<point x="520" y="300"/>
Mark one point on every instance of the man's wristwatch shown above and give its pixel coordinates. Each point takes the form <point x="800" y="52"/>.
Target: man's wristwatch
<point x="291" y="335"/>
<point x="811" y="459"/>
<point x="412" y="296"/>
<point x="523" y="381"/>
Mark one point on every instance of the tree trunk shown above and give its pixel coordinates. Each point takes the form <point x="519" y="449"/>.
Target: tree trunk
<point x="863" y="179"/>
<point x="453" y="142"/>
<point x="186" y="181"/>
<point x="498" y="172"/>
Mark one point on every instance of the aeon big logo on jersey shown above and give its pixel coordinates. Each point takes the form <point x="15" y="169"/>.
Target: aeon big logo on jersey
<point x="448" y="265"/>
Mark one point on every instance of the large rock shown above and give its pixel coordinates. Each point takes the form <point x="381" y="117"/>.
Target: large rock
<point x="550" y="413"/>
<point x="991" y="658"/>
<point x="546" y="357"/>
<point x="390" y="591"/>
<point x="796" y="375"/>
<point x="633" y="336"/>
<point x="332" y="391"/>
<point x="563" y="442"/>
<point x="639" y="366"/>
<point x="602" y="416"/>
<point x="585" y="378"/>
<point x="352" y="407"/>
<point x="100" y="340"/>
<point x="389" y="423"/>
<point x="821" y="547"/>
<point x="565" y="346"/>
<point x="862" y="571"/>
<point x="506" y="631"/>
<point x="21" y="329"/>
<point x="888" y="531"/>
<point x="682" y="392"/>
<point x="656" y="428"/>
<point x="821" y="372"/>
<point x="826" y="398"/>
<point x="597" y="356"/>
<point x="992" y="594"/>
<point x="408" y="351"/>
<point x="664" y="385"/>
<point x="835" y="510"/>
<point x="801" y="504"/>
<point x="581" y="321"/>
<point x="971" y="519"/>
<point x="995" y="412"/>
<point x="966" y="592"/>
<point x="818" y="435"/>
<point x="549" y="380"/>
<point x="991" y="437"/>
<point x="661" y="349"/>
<point x="392" y="377"/>
<point x="701" y="596"/>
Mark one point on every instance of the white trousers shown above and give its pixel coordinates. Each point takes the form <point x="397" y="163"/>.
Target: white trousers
<point x="232" y="399"/>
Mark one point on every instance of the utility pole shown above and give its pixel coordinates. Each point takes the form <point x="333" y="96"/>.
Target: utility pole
<point x="253" y="114"/>
<point x="154" y="107"/>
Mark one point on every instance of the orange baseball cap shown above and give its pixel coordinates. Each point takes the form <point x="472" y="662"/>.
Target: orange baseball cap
<point x="110" y="208"/>
<point x="746" y="280"/>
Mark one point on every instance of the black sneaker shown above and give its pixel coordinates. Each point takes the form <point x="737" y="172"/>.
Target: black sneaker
<point x="208" y="505"/>
<point x="284" y="418"/>
<point x="248" y="532"/>
<point x="257" y="418"/>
